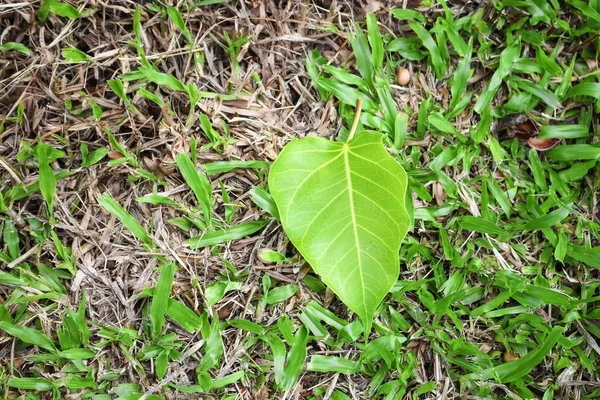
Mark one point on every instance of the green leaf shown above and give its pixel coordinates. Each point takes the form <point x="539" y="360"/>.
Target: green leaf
<point x="77" y="354"/>
<point x="332" y="364"/>
<point x="347" y="94"/>
<point x="13" y="46"/>
<point x="44" y="10"/>
<point x="137" y="24"/>
<point x="198" y="183"/>
<point x="163" y="79"/>
<point x="342" y="206"/>
<point x="94" y="157"/>
<point x="511" y="371"/>
<point x="156" y="198"/>
<point x="47" y="178"/>
<point x="227" y="380"/>
<point x="375" y="41"/>
<point x="577" y="171"/>
<point x="160" y="300"/>
<point x="184" y="316"/>
<point x="220" y="167"/>
<point x="295" y="359"/>
<point x="547" y="221"/>
<point x="574" y="152"/>
<point x="591" y="89"/>
<point x="113" y="207"/>
<point x="64" y="10"/>
<point x="405" y="14"/>
<point x="478" y="224"/>
<point x="248" y="326"/>
<point x="364" y="64"/>
<point x="507" y="58"/>
<point x="161" y="363"/>
<point x="281" y="293"/>
<point x="460" y="79"/>
<point x="177" y="20"/>
<point x="589" y="256"/>
<point x="78" y="382"/>
<point x="537" y="169"/>
<point x="117" y="86"/>
<point x="443" y="125"/>
<point x="37" y="384"/>
<point x="73" y="55"/>
<point x="11" y="239"/>
<point x="264" y="200"/>
<point x="434" y="53"/>
<point x="225" y="235"/>
<point x="151" y="96"/>
<point x="543" y="94"/>
<point x="28" y="335"/>
<point x="564" y="131"/>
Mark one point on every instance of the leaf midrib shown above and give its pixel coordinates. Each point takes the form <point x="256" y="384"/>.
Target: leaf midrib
<point x="345" y="150"/>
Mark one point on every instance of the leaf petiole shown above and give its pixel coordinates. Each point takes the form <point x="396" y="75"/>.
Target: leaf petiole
<point x="356" y="119"/>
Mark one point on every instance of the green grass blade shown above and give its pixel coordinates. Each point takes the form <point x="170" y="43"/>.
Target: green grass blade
<point x="507" y="58"/>
<point x="118" y="88"/>
<point x="221" y="167"/>
<point x="538" y="170"/>
<point x="333" y="364"/>
<point x="132" y="224"/>
<point x="160" y="300"/>
<point x="184" y="316"/>
<point x="406" y="14"/>
<point x="73" y="55"/>
<point x="543" y="94"/>
<point x="517" y="369"/>
<point x="278" y="351"/>
<point x="37" y="384"/>
<point x="177" y="20"/>
<point x="362" y="54"/>
<point x="198" y="183"/>
<point x="574" y="152"/>
<point x="225" y="235"/>
<point x="547" y="221"/>
<point x="564" y="131"/>
<point x="13" y="46"/>
<point x="28" y="335"/>
<point x="47" y="180"/>
<point x="500" y="196"/>
<point x="375" y="41"/>
<point x="281" y="293"/>
<point x="477" y="224"/>
<point x="434" y="52"/>
<point x="460" y="78"/>
<point x="228" y="380"/>
<point x="264" y="200"/>
<point x="11" y="239"/>
<point x="591" y="89"/>
<point x="163" y="79"/>
<point x="346" y="94"/>
<point x="295" y="358"/>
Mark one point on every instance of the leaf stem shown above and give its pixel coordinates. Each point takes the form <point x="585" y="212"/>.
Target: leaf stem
<point x="356" y="118"/>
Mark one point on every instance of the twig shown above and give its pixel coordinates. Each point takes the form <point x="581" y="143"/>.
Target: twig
<point x="356" y="118"/>
<point x="23" y="257"/>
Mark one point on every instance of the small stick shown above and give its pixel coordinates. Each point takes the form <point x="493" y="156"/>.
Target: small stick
<point x="356" y="118"/>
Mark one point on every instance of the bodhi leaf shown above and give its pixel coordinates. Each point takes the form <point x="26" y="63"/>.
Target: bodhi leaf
<point x="342" y="206"/>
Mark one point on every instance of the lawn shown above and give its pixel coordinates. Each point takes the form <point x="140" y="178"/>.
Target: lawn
<point x="174" y="218"/>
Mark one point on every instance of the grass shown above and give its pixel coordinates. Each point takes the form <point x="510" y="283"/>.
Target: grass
<point x="142" y="255"/>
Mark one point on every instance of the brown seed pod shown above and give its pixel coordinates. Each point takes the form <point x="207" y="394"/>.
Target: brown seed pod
<point x="543" y="144"/>
<point x="402" y="76"/>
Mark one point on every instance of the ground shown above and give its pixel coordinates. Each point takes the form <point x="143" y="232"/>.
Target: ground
<point x="142" y="255"/>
